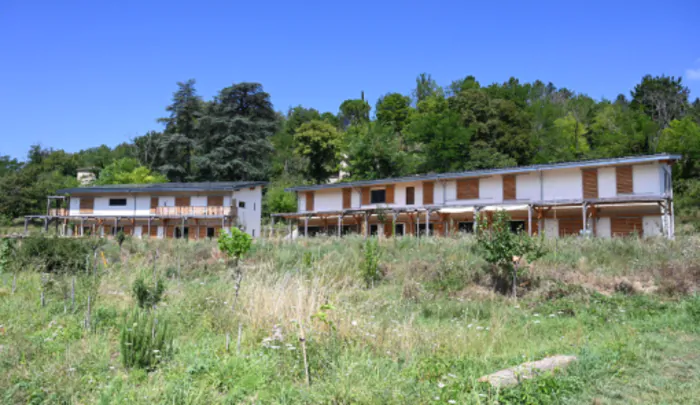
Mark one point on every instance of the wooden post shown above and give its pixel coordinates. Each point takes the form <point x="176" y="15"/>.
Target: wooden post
<point x="340" y="224"/>
<point x="394" y="214"/>
<point x="82" y="226"/>
<point x="182" y="228"/>
<point x="418" y="224"/>
<point x="289" y="224"/>
<point x="26" y="226"/>
<point x="116" y="225"/>
<point x="585" y="219"/>
<point x="427" y="222"/>
<point x="476" y="219"/>
<point x="272" y="226"/>
<point x="366" y="225"/>
<point x="529" y="220"/>
<point x="306" y="227"/>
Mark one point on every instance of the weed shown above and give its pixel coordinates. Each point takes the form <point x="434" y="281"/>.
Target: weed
<point x="145" y="341"/>
<point x="148" y="296"/>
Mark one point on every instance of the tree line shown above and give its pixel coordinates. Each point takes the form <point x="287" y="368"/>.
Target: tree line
<point x="237" y="135"/>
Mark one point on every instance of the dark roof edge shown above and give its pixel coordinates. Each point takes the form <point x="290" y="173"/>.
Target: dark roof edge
<point x="506" y="170"/>
<point x="145" y="188"/>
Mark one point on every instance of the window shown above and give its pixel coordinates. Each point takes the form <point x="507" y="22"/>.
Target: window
<point x="378" y="196"/>
<point x="117" y="202"/>
<point x="241" y="204"/>
<point x="466" y="227"/>
<point x="517" y="226"/>
<point x="253" y="233"/>
<point x="399" y="230"/>
<point x="211" y="232"/>
<point x="374" y="229"/>
<point x="410" y="195"/>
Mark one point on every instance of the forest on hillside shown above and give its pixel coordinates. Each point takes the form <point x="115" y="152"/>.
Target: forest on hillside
<point x="465" y="125"/>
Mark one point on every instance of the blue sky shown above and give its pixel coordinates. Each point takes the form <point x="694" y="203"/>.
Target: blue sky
<point x="78" y="74"/>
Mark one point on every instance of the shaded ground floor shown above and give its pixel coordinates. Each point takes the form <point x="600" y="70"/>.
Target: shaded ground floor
<point x="654" y="218"/>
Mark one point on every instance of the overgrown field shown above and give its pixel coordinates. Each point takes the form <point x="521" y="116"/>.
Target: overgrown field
<point x="421" y="332"/>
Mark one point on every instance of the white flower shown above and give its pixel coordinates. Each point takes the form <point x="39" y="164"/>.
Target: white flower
<point x="437" y="398"/>
<point x="479" y="328"/>
<point x="353" y="323"/>
<point x="535" y="314"/>
<point x="552" y="315"/>
<point x="537" y="321"/>
<point x="441" y="385"/>
<point x="451" y="401"/>
<point x="469" y="326"/>
<point x="452" y="375"/>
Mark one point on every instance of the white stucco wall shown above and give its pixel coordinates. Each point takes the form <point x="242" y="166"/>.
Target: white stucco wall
<point x="607" y="182"/>
<point x="249" y="217"/>
<point x="491" y="189"/>
<point x="198" y="201"/>
<point x="603" y="228"/>
<point x="646" y="179"/>
<point x="551" y="228"/>
<point x="527" y="187"/>
<point x="102" y="207"/>
<point x="328" y="200"/>
<point x="651" y="226"/>
<point x="563" y="184"/>
<point x="74" y="206"/>
<point x="137" y="231"/>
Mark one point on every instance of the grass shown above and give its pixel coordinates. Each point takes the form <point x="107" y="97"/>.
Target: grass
<point x="422" y="335"/>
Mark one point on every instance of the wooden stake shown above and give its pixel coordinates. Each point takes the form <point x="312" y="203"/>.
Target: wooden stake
<point x="72" y="295"/>
<point x="228" y="341"/>
<point x="14" y="283"/>
<point x="302" y="339"/>
<point x="87" y="315"/>
<point x="238" y="343"/>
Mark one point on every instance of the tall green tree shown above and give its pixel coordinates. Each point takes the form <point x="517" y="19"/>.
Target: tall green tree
<point x="354" y="112"/>
<point x="394" y="110"/>
<point x="179" y="138"/>
<point x="374" y="152"/>
<point x="425" y="87"/>
<point x="128" y="171"/>
<point x="319" y="143"/>
<point x="235" y="134"/>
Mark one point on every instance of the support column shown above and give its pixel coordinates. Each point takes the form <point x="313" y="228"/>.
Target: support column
<point x="529" y="220"/>
<point x="427" y="223"/>
<point x="418" y="224"/>
<point x="394" y="214"/>
<point x="116" y="224"/>
<point x="584" y="210"/>
<point x="82" y="226"/>
<point x="289" y="221"/>
<point x="26" y="226"/>
<point x="149" y="227"/>
<point x="306" y="227"/>
<point x="672" y="221"/>
<point x="366" y="225"/>
<point x="272" y="226"/>
<point x="340" y="224"/>
<point x="182" y="228"/>
<point x="477" y="213"/>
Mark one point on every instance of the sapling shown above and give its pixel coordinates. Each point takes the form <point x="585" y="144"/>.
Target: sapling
<point x="235" y="245"/>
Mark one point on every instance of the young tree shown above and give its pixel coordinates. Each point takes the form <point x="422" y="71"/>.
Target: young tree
<point x="235" y="245"/>
<point x="128" y="171"/>
<point x="319" y="143"/>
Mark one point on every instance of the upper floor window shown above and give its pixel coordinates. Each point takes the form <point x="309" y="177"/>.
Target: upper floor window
<point x="378" y="196"/>
<point x="410" y="195"/>
<point x="117" y="202"/>
<point x="241" y="204"/>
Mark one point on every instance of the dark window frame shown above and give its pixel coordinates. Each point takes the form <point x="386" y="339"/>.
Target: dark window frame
<point x="241" y="204"/>
<point x="374" y="196"/>
<point x="112" y="202"/>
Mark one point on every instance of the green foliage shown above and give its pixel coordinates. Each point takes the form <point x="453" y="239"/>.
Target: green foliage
<point x="394" y="110"/>
<point x="52" y="254"/>
<point x="121" y="237"/>
<point x="354" y="112"/>
<point x="319" y="143"/>
<point x="235" y="244"/>
<point x="323" y="315"/>
<point x="7" y="247"/>
<point x="128" y="171"/>
<point x="369" y="267"/>
<point x="277" y="200"/>
<point x="146" y="295"/>
<point x="504" y="249"/>
<point x="375" y="152"/>
<point x="145" y="341"/>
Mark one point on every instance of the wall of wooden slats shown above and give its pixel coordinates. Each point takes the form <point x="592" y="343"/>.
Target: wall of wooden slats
<point x="410" y="195"/>
<point x="87" y="205"/>
<point x="365" y="196"/>
<point x="468" y="189"/>
<point x="215" y="201"/>
<point x="624" y="180"/>
<point x="347" y="198"/>
<point x="309" y="201"/>
<point x="428" y="188"/>
<point x="570" y="226"/>
<point x="509" y="188"/>
<point x="622" y="226"/>
<point x="182" y="201"/>
<point x="390" y="194"/>
<point x="590" y="183"/>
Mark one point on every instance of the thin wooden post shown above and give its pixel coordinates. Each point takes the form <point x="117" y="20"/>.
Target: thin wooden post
<point x="306" y="227"/>
<point x="366" y="225"/>
<point x="427" y="222"/>
<point x="238" y="341"/>
<point x="340" y="224"/>
<point x="72" y="295"/>
<point x="418" y="224"/>
<point x="272" y="227"/>
<point x="529" y="220"/>
<point x="149" y="227"/>
<point x="290" y="228"/>
<point x="585" y="219"/>
<point x="82" y="226"/>
<point x="116" y="225"/>
<point x="182" y="228"/>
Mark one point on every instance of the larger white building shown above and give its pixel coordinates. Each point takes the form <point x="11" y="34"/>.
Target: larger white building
<point x="605" y="198"/>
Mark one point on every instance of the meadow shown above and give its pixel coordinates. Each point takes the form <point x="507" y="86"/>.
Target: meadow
<point x="423" y="332"/>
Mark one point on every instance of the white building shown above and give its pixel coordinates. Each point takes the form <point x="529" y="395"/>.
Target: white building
<point x="165" y="210"/>
<point x="605" y="198"/>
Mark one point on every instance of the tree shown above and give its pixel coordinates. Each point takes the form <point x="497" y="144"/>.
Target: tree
<point x="374" y="152"/>
<point x="147" y="149"/>
<point x="180" y="135"/>
<point x="319" y="143"/>
<point x="354" y="112"/>
<point x="425" y="87"/>
<point x="285" y="161"/>
<point x="235" y="135"/>
<point x="278" y="201"/>
<point x="128" y="171"/>
<point x="663" y="99"/>
<point x="394" y="110"/>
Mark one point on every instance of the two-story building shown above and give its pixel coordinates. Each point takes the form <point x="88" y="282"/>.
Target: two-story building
<point x="605" y="198"/>
<point x="165" y="210"/>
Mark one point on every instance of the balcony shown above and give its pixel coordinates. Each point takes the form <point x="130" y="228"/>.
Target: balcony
<point x="193" y="211"/>
<point x="58" y="212"/>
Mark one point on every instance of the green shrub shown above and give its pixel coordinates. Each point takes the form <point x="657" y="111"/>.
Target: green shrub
<point x="147" y="296"/>
<point x="235" y="244"/>
<point x="145" y="341"/>
<point x="6" y="249"/>
<point x="369" y="267"/>
<point x="54" y="255"/>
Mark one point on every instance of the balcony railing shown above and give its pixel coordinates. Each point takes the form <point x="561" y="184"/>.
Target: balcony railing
<point x="193" y="211"/>
<point x="58" y="212"/>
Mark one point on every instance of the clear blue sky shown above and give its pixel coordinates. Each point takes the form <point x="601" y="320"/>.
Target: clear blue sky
<point x="78" y="74"/>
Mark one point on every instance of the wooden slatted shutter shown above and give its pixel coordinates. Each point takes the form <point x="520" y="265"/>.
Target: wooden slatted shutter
<point x="428" y="188"/>
<point x="366" y="196"/>
<point x="390" y="194"/>
<point x="410" y="195"/>
<point x="347" y="198"/>
<point x="154" y="204"/>
<point x="624" y="179"/>
<point x="468" y="189"/>
<point x="570" y="226"/>
<point x="170" y="231"/>
<point x="144" y="231"/>
<point x="590" y="183"/>
<point x="309" y="201"/>
<point x="215" y="201"/>
<point x="388" y="229"/>
<point x="626" y="226"/>
<point x="182" y="201"/>
<point x="154" y="230"/>
<point x="87" y="205"/>
<point x="202" y="232"/>
<point x="127" y="230"/>
<point x="509" y="192"/>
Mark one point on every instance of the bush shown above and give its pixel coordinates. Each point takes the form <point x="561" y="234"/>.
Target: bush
<point x="53" y="255"/>
<point x="147" y="296"/>
<point x="369" y="268"/>
<point x="144" y="341"/>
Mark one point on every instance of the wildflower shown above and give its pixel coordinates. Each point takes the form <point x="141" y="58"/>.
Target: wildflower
<point x="552" y="315"/>
<point x="479" y="328"/>
<point x="451" y="401"/>
<point x="535" y="314"/>
<point x="537" y="321"/>
<point x="441" y="385"/>
<point x="156" y="351"/>
<point x="452" y="375"/>
<point x="437" y="398"/>
<point x="470" y="325"/>
<point x="353" y="323"/>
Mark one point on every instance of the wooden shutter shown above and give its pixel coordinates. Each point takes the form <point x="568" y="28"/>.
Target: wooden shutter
<point x="309" y="201"/>
<point x="215" y="201"/>
<point x="347" y="198"/>
<point x="365" y="196"/>
<point x="388" y="228"/>
<point x="144" y="231"/>
<point x="624" y="179"/>
<point x="468" y="189"/>
<point x="428" y="188"/>
<point x="390" y="194"/>
<point x="154" y="204"/>
<point x="590" y="183"/>
<point x="410" y="195"/>
<point x="202" y="232"/>
<point x="570" y="226"/>
<point x="182" y="201"/>
<point x="170" y="231"/>
<point x="509" y="193"/>
<point x="626" y="226"/>
<point x="87" y="205"/>
<point x="154" y="230"/>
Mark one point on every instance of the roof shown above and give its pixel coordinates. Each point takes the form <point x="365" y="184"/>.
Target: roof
<point x="163" y="187"/>
<point x="485" y="172"/>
